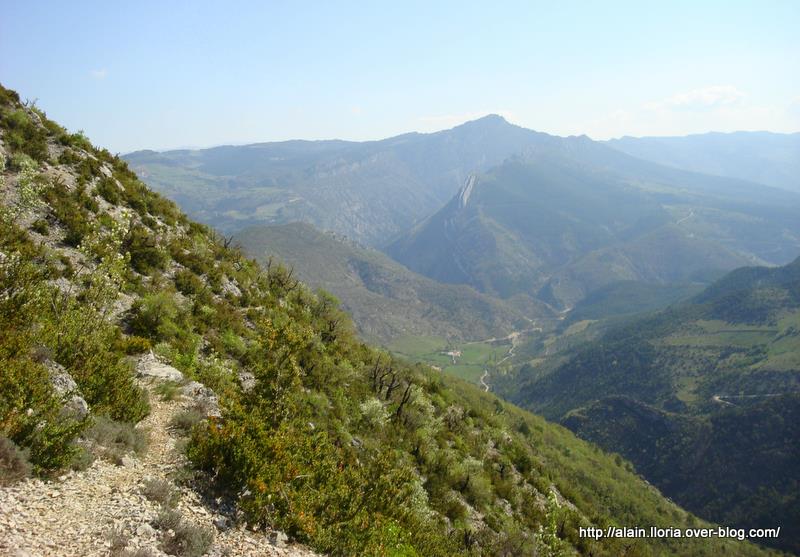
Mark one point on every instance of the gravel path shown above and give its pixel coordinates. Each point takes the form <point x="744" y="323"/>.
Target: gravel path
<point x="78" y="513"/>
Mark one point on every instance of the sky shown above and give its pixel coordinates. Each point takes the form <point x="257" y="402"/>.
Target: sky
<point x="158" y="75"/>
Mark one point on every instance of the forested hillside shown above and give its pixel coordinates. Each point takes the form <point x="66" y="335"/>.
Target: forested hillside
<point x="386" y="300"/>
<point x="318" y="434"/>
<point x="704" y="389"/>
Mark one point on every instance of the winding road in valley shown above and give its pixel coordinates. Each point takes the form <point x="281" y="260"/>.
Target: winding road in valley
<point x="687" y="217"/>
<point x="514" y="338"/>
<point x="720" y="399"/>
<point x="484" y="384"/>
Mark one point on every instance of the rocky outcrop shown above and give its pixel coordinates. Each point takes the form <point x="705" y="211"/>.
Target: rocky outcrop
<point x="204" y="397"/>
<point x="66" y="388"/>
<point x="150" y="366"/>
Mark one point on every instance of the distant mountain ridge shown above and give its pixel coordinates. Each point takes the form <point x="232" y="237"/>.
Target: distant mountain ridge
<point x="566" y="218"/>
<point x="768" y="158"/>
<point x="370" y="191"/>
<point x="511" y="212"/>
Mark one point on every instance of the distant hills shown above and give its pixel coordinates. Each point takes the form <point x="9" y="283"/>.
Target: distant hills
<point x="386" y="300"/>
<point x="703" y="397"/>
<point x="768" y="158"/>
<point x="568" y="218"/>
<point x="369" y="191"/>
<point x="513" y="213"/>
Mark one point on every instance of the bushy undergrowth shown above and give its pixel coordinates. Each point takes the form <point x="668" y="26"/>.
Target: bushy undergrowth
<point x="182" y="538"/>
<point x="160" y="491"/>
<point x="185" y="420"/>
<point x="118" y="437"/>
<point x="40" y="322"/>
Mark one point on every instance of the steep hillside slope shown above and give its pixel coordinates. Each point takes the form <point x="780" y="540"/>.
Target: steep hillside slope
<point x="702" y="387"/>
<point x="312" y="431"/>
<point x="369" y="191"/>
<point x="386" y="300"/>
<point x="560" y="223"/>
<point x="768" y="158"/>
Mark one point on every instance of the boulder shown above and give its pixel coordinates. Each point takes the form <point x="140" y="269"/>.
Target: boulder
<point x="66" y="388"/>
<point x="205" y="398"/>
<point x="150" y="366"/>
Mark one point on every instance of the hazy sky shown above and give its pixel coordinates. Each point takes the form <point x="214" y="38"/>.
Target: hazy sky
<point x="167" y="74"/>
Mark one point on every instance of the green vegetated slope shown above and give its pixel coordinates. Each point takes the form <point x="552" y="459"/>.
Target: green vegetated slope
<point x="559" y="223"/>
<point x="328" y="439"/>
<point x="768" y="158"/>
<point x="631" y="297"/>
<point x="369" y="191"/>
<point x="702" y="397"/>
<point x="386" y="300"/>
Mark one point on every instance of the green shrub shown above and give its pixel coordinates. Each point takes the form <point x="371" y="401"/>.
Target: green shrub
<point x="31" y="416"/>
<point x="41" y="226"/>
<point x="8" y="97"/>
<point x="187" y="282"/>
<point x="81" y="460"/>
<point x="77" y="140"/>
<point x="30" y="413"/>
<point x="185" y="420"/>
<point x="68" y="157"/>
<point x="168" y="390"/>
<point x="145" y="253"/>
<point x="86" y="348"/>
<point x="154" y="316"/>
<point x="134" y="344"/>
<point x="116" y="438"/>
<point x="22" y="134"/>
<point x="67" y="209"/>
<point x="108" y="190"/>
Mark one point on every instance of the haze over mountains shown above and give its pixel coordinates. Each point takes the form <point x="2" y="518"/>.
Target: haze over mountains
<point x="370" y="191"/>
<point x="768" y="158"/>
<point x="561" y="221"/>
<point x="508" y="211"/>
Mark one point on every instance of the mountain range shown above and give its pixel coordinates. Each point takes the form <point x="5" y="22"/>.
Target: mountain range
<point x="369" y="191"/>
<point x="564" y="220"/>
<point x="511" y="212"/>
<point x="772" y="159"/>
